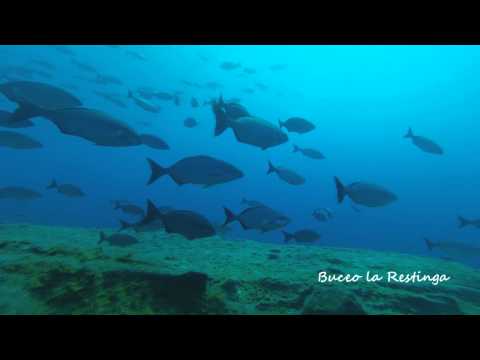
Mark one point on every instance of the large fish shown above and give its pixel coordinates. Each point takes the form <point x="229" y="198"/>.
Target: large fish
<point x="287" y="175"/>
<point x="308" y="152"/>
<point x="18" y="141"/>
<point x="424" y="144"/>
<point x="18" y="193"/>
<point x="33" y="98"/>
<point x="199" y="170"/>
<point x="95" y="126"/>
<point x="250" y="130"/>
<point x="260" y="218"/>
<point x="462" y="222"/>
<point x="154" y="142"/>
<point x="297" y="125"/>
<point x="364" y="193"/>
<point x="301" y="236"/>
<point x="68" y="190"/>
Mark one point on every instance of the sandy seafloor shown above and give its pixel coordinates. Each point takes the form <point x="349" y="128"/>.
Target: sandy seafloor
<point x="55" y="270"/>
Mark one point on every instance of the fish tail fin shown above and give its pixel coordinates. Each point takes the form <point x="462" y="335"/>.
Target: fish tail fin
<point x="280" y="123"/>
<point x="156" y="171"/>
<point x="221" y="118"/>
<point x="229" y="216"/>
<point x="287" y="236"/>
<point x="295" y="148"/>
<point x="271" y="168"/>
<point x="52" y="185"/>
<point x="124" y="225"/>
<point x="102" y="237"/>
<point x="152" y="211"/>
<point x="462" y="222"/>
<point x="409" y="133"/>
<point x="429" y="244"/>
<point x="340" y="190"/>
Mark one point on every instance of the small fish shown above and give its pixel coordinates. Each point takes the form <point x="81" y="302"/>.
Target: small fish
<point x="45" y="64"/>
<point x="260" y="218"/>
<point x="65" y="50"/>
<point x="454" y="248"/>
<point x="297" y="125"/>
<point x="143" y="103"/>
<point x="301" y="236"/>
<point x="135" y="55"/>
<point x="462" y="222"/>
<point x="199" y="170"/>
<point x="229" y="65"/>
<point x="248" y="91"/>
<point x="115" y="99"/>
<point x="194" y="102"/>
<point x="261" y="86"/>
<point x="322" y="215"/>
<point x="118" y="239"/>
<point x="364" y="193"/>
<point x="107" y="80"/>
<point x="176" y="100"/>
<point x="287" y="175"/>
<point x="84" y="67"/>
<point x="161" y="95"/>
<point x="213" y="85"/>
<point x="190" y="122"/>
<point x="424" y="144"/>
<point x="308" y="152"/>
<point x="68" y="190"/>
<point x="249" y="71"/>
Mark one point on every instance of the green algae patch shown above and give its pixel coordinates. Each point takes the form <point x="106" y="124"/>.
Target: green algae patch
<point x="55" y="270"/>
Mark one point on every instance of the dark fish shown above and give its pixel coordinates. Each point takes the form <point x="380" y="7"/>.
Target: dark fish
<point x="200" y="170"/>
<point x="176" y="100"/>
<point x="261" y="218"/>
<point x="278" y="67"/>
<point x="95" y="126"/>
<point x="308" y="152"/>
<point x="453" y="248"/>
<point x="213" y="85"/>
<point x="187" y="223"/>
<point x="249" y="71"/>
<point x="33" y="98"/>
<point x="113" y="46"/>
<point x="154" y="142"/>
<point x="118" y="239"/>
<point x="190" y="122"/>
<point x="18" y="141"/>
<point x="229" y="65"/>
<point x="194" y="102"/>
<point x="297" y="125"/>
<point x="363" y="193"/>
<point x="107" y="80"/>
<point x="251" y="203"/>
<point x="45" y="64"/>
<point x="424" y="144"/>
<point x="248" y="91"/>
<point x="143" y="103"/>
<point x="68" y="190"/>
<point x="322" y="214"/>
<point x="287" y="175"/>
<point x="129" y="208"/>
<point x="301" y="236"/>
<point x="18" y="193"/>
<point x="462" y="222"/>
<point x="64" y="50"/>
<point x="146" y="92"/>
<point x="150" y="222"/>
<point x="261" y="86"/>
<point x="192" y="84"/>
<point x="84" y="67"/>
<point x="248" y="130"/>
<point x="135" y="55"/>
<point x="5" y="117"/>
<point x="115" y="99"/>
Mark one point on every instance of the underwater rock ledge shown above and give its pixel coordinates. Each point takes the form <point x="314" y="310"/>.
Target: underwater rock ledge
<point x="56" y="270"/>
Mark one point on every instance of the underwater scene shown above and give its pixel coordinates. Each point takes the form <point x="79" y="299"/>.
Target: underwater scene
<point x="239" y="179"/>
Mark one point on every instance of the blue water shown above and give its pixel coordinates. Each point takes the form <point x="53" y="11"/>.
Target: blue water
<point x="361" y="98"/>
